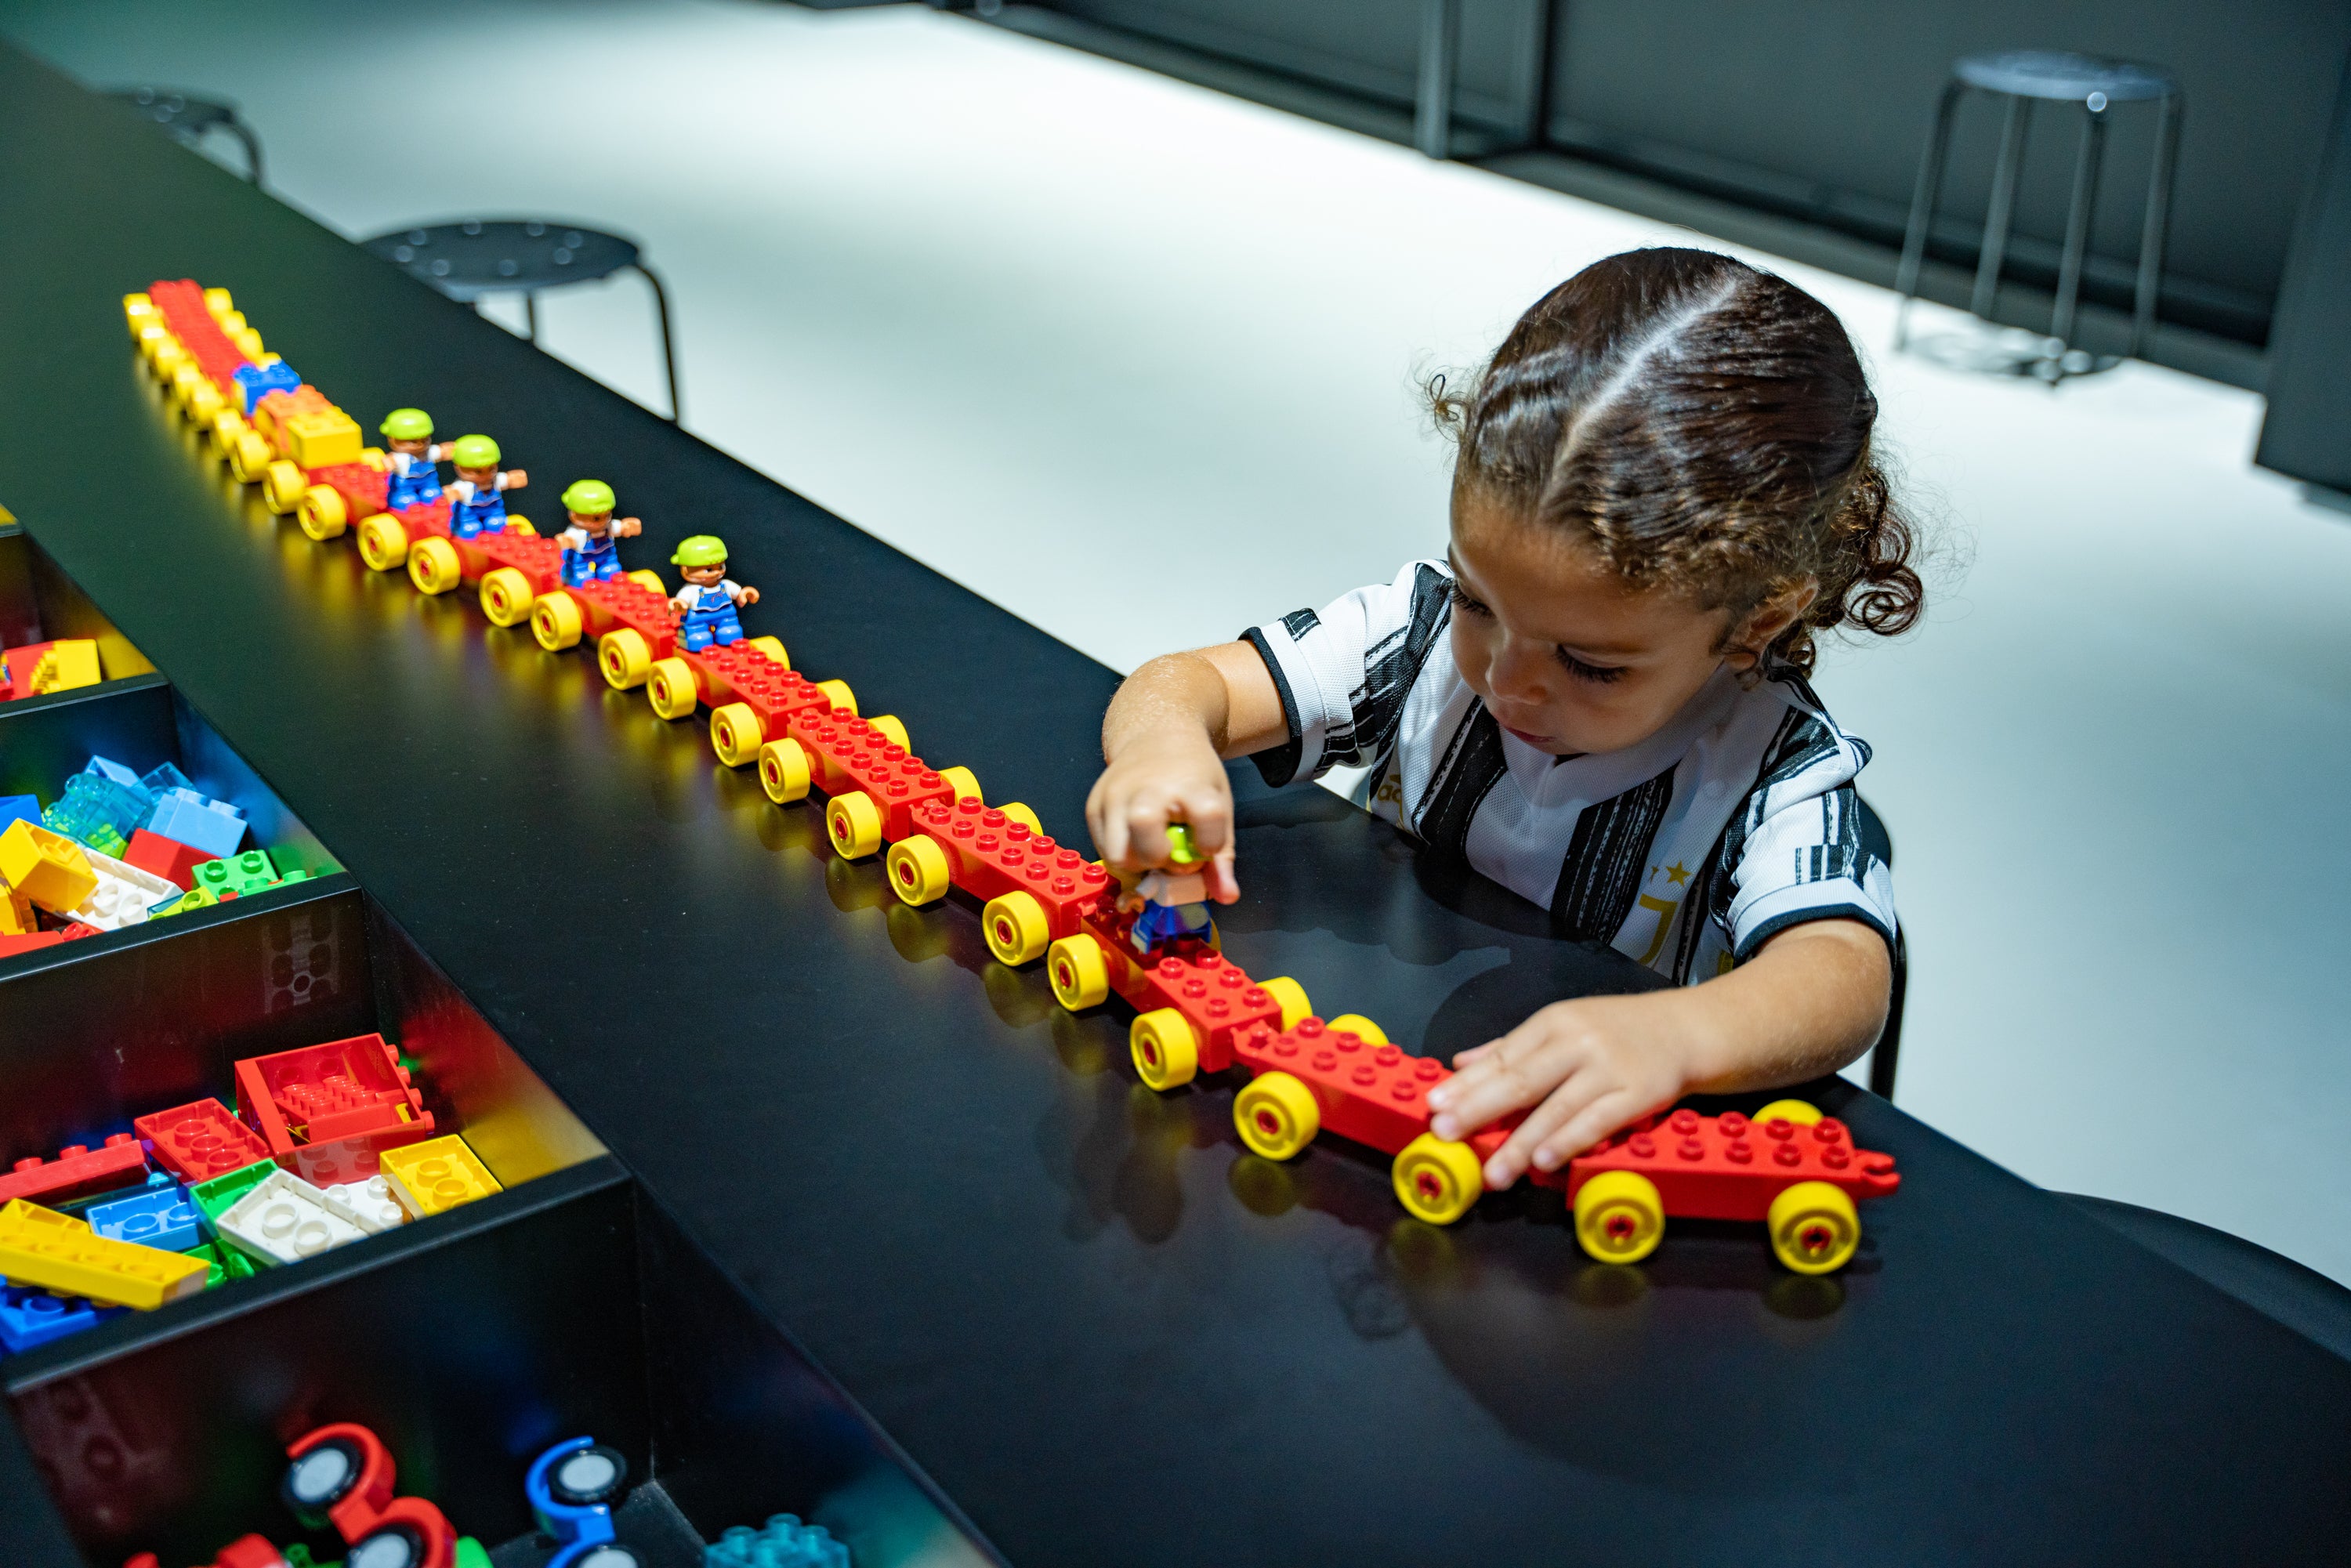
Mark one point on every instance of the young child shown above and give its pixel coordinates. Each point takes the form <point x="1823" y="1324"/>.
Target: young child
<point x="411" y="476"/>
<point x="1662" y="490"/>
<point x="479" y="502"/>
<point x="709" y="600"/>
<point x="591" y="552"/>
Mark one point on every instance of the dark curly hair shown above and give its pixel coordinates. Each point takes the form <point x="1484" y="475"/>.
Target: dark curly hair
<point x="1705" y="426"/>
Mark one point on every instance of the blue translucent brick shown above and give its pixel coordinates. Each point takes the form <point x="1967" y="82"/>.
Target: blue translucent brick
<point x="783" y="1543"/>
<point x="29" y="1317"/>
<point x="198" y="821"/>
<point x="92" y="801"/>
<point x="167" y="776"/>
<point x="163" y="1217"/>
<point x="106" y="768"/>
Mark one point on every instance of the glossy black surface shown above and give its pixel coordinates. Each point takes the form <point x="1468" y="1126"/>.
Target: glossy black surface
<point x="1108" y="1336"/>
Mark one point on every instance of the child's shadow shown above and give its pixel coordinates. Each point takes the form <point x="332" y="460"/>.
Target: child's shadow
<point x="1342" y="899"/>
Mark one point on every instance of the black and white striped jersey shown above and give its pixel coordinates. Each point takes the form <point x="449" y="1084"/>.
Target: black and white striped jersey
<point x="1737" y="820"/>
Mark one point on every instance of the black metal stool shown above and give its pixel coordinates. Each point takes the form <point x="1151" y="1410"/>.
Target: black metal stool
<point x="188" y="117"/>
<point x="477" y="256"/>
<point x="2025" y="77"/>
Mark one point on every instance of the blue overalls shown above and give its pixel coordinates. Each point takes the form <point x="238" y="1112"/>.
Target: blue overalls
<point x="485" y="514"/>
<point x="419" y="486"/>
<point x="1157" y="924"/>
<point x="599" y="559"/>
<point x="708" y="622"/>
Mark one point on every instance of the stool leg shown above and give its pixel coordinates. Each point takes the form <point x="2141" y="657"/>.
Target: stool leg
<point x="530" y="315"/>
<point x="1922" y="208"/>
<point x="669" y="354"/>
<point x="238" y="128"/>
<point x="2012" y="131"/>
<point x="2077" y="225"/>
<point x="2158" y="214"/>
<point x="1433" y="122"/>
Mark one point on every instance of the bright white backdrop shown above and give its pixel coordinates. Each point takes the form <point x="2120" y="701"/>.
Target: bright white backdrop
<point x="1135" y="360"/>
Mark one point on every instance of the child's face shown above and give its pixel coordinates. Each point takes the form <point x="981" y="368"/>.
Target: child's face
<point x="1566" y="656"/>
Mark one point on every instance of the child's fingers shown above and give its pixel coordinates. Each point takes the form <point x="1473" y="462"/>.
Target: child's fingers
<point x="1519" y="1069"/>
<point x="1106" y="822"/>
<point x="1518" y="1151"/>
<point x="1599" y="1117"/>
<point x="1223" y="886"/>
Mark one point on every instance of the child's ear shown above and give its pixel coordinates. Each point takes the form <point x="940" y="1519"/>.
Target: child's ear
<point x="1744" y="647"/>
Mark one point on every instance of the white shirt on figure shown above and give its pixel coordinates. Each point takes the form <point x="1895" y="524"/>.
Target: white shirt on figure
<point x="695" y="596"/>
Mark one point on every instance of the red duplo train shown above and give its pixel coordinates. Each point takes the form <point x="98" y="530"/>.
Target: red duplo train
<point x="1195" y="1011"/>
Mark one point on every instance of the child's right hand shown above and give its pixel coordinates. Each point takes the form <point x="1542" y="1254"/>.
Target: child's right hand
<point x="1157" y="778"/>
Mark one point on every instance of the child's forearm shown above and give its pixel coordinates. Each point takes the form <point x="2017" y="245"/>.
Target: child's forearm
<point x="1223" y="694"/>
<point x="1811" y="1000"/>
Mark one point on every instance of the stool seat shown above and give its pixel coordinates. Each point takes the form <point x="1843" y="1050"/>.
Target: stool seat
<point x="467" y="260"/>
<point x="477" y="256"/>
<point x="187" y="116"/>
<point x="2067" y="78"/>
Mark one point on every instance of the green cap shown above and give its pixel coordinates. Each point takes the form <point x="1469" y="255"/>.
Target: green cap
<point x="702" y="549"/>
<point x="587" y="495"/>
<point x="473" y="452"/>
<point x="408" y="425"/>
<point x="1180" y="849"/>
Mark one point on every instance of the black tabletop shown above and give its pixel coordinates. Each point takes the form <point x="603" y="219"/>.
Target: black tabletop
<point x="1106" y="1334"/>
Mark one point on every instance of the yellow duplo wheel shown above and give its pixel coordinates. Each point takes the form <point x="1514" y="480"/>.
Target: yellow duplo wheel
<point x="433" y="566"/>
<point x="220" y="302"/>
<point x="506" y="598"/>
<point x="227" y="426"/>
<point x="555" y="621"/>
<point x="1814" y="1229"/>
<point x="853" y="823"/>
<point x="185" y="382"/>
<point x="893" y="729"/>
<point x="322" y="513"/>
<point x="774" y="648"/>
<point x="918" y="870"/>
<point x="625" y="657"/>
<point x="248" y="456"/>
<point x="521" y="526"/>
<point x="1167" y="1052"/>
<point x="961" y="780"/>
<point x="282" y="484"/>
<point x="784" y="771"/>
<point x="383" y="543"/>
<point x="1277" y="1116"/>
<point x="1081" y="978"/>
<point x="649" y="581"/>
<point x="1803" y="1113"/>
<point x="736" y="735"/>
<point x="138" y="309"/>
<point x="373" y="458"/>
<point x="1016" y="812"/>
<point x="1016" y="928"/>
<point x="1290" y="997"/>
<point x="1438" y="1179"/>
<point x="1618" y="1216"/>
<point x="670" y="686"/>
<point x="1358" y="1025"/>
<point x="205" y="405"/>
<point x="840" y="695"/>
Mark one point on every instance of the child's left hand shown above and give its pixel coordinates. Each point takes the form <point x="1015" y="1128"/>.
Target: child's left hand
<point x="1595" y="1064"/>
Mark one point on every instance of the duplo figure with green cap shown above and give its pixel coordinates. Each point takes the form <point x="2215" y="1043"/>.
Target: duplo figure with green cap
<point x="412" y="475"/>
<point x="709" y="599"/>
<point x="1171" y="903"/>
<point x="480" y="502"/>
<point x="589" y="549"/>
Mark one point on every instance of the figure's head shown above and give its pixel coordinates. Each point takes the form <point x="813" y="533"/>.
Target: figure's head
<point x="590" y="503"/>
<point x="701" y="560"/>
<point x="408" y="429"/>
<point x="476" y="458"/>
<point x="1664" y="470"/>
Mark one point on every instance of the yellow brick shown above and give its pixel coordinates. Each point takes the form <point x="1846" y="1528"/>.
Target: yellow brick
<point x="436" y="1174"/>
<point x="17" y="915"/>
<point x="46" y="867"/>
<point x="57" y="1252"/>
<point x="66" y="664"/>
<point x="323" y="439"/>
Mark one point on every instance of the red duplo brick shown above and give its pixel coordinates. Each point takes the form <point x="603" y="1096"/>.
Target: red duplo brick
<point x="362" y="487"/>
<point x="990" y="855"/>
<point x="1728" y="1167"/>
<point x="197" y="1142"/>
<point x="12" y="946"/>
<point x="1219" y="1001"/>
<point x="1375" y="1095"/>
<point x="180" y="303"/>
<point x="609" y="605"/>
<point x="740" y="672"/>
<point x="847" y="753"/>
<point x="78" y="1171"/>
<point x="170" y="859"/>
<point x="357" y="1084"/>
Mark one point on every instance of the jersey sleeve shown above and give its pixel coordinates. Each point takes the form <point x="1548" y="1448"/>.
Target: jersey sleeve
<point x="1801" y="852"/>
<point x="1344" y="671"/>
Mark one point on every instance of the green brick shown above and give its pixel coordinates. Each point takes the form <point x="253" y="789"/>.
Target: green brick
<point x="239" y="876"/>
